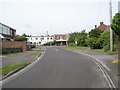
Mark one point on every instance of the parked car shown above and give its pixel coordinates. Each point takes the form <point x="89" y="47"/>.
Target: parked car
<point x="33" y="46"/>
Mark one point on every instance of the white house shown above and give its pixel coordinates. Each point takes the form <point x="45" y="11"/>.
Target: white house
<point x="40" y="40"/>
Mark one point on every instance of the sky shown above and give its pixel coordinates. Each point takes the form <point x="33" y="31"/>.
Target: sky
<point x="36" y="17"/>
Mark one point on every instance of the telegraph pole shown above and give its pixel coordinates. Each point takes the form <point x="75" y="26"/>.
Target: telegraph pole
<point x="111" y="32"/>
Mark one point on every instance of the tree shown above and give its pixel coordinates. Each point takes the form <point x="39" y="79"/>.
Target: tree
<point x="104" y="41"/>
<point x="116" y="27"/>
<point x="93" y="41"/>
<point x="95" y="33"/>
<point x="25" y="35"/>
<point x="80" y="37"/>
<point x="20" y="38"/>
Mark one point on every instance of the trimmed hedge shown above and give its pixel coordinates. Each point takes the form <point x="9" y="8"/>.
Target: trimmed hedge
<point x="11" y="50"/>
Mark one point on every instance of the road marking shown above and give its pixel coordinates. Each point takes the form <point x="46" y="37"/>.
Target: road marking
<point x="103" y="69"/>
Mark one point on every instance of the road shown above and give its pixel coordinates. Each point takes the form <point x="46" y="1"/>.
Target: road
<point x="60" y="68"/>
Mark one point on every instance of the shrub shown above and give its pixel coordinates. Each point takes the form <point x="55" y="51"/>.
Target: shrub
<point x="115" y="47"/>
<point x="72" y="44"/>
<point x="20" y="38"/>
<point x="11" y="50"/>
<point x="106" y="48"/>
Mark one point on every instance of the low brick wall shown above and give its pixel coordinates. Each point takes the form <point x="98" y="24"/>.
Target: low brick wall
<point x="15" y="44"/>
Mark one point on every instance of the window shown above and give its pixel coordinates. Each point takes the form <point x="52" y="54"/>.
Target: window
<point x="36" y="38"/>
<point x="4" y="30"/>
<point x="31" y="38"/>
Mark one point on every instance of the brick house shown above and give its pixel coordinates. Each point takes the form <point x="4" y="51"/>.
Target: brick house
<point x="6" y="32"/>
<point x="7" y="35"/>
<point x="103" y="27"/>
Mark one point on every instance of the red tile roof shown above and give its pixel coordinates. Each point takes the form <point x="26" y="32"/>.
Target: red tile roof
<point x="103" y="27"/>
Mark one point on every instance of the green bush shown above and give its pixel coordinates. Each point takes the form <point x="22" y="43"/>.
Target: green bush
<point x="106" y="48"/>
<point x="93" y="43"/>
<point x="115" y="47"/>
<point x="11" y="50"/>
<point x="72" y="44"/>
<point x="20" y="38"/>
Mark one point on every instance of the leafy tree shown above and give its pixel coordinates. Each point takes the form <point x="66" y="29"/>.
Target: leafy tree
<point x="25" y="35"/>
<point x="104" y="41"/>
<point x="95" y="33"/>
<point x="93" y="43"/>
<point x="80" y="37"/>
<point x="20" y="38"/>
<point x="116" y="27"/>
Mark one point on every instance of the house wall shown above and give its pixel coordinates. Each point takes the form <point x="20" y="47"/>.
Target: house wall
<point x="7" y="31"/>
<point x="39" y="40"/>
<point x="15" y="44"/>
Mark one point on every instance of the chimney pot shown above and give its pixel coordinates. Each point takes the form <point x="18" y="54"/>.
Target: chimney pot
<point x="95" y="26"/>
<point x="101" y="23"/>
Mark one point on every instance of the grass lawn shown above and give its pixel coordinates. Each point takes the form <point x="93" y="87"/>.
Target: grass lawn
<point x="102" y="50"/>
<point x="39" y="50"/>
<point x="112" y="53"/>
<point x="6" y="69"/>
<point x="118" y="74"/>
<point x="97" y="50"/>
<point x="75" y="47"/>
<point x="34" y="54"/>
<point x="116" y="61"/>
<point x="10" y="54"/>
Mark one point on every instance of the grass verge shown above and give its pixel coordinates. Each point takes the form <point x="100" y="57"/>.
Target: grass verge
<point x="102" y="50"/>
<point x="118" y="74"/>
<point x="75" y="47"/>
<point x="97" y="50"/>
<point x="116" y="61"/>
<point x="112" y="53"/>
<point x="33" y="54"/>
<point x="10" y="54"/>
<point x="6" y="69"/>
<point x="39" y="50"/>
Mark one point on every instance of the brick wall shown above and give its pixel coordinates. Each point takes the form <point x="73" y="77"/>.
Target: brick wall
<point x="15" y="44"/>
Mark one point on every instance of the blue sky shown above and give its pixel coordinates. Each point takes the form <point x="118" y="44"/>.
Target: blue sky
<point x="36" y="17"/>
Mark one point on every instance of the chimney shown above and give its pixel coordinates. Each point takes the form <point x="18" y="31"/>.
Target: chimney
<point x="95" y="26"/>
<point x="101" y="23"/>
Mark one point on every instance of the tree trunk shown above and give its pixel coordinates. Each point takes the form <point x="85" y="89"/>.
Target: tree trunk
<point x="118" y="47"/>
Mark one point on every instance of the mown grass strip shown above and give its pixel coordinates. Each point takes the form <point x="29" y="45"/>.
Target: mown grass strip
<point x="102" y="50"/>
<point x="75" y="47"/>
<point x="33" y="54"/>
<point x="39" y="50"/>
<point x="97" y="50"/>
<point x="6" y="69"/>
<point x="118" y="74"/>
<point x="10" y="54"/>
<point x="116" y="61"/>
<point x="112" y="53"/>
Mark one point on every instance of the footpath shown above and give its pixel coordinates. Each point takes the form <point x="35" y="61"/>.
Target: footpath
<point x="106" y="60"/>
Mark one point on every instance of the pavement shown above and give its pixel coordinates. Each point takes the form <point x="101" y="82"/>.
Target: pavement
<point x="20" y="57"/>
<point x="61" y="68"/>
<point x="106" y="60"/>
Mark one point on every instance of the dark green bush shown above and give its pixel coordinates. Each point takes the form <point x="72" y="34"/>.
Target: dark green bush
<point x="72" y="44"/>
<point x="115" y="47"/>
<point x="11" y="50"/>
<point x="106" y="48"/>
